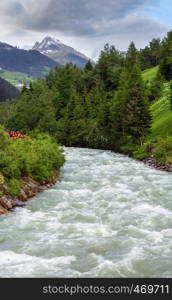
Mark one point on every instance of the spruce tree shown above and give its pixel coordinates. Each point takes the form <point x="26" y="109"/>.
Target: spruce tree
<point x="132" y="57"/>
<point x="130" y="111"/>
<point x="88" y="66"/>
<point x="166" y="62"/>
<point x="136" y="123"/>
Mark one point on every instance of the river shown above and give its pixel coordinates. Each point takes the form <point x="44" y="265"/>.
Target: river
<point x="109" y="216"/>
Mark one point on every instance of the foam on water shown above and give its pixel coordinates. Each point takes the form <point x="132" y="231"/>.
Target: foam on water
<point x="109" y="216"/>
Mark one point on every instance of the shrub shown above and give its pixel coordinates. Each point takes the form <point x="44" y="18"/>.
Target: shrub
<point x="160" y="149"/>
<point x="39" y="157"/>
<point x="14" y="186"/>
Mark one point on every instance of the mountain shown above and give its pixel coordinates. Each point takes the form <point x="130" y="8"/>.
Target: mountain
<point x="7" y="91"/>
<point x="60" y="52"/>
<point x="32" y="63"/>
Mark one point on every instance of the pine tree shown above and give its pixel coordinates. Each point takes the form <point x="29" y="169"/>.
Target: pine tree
<point x="137" y="119"/>
<point x="130" y="112"/>
<point x="132" y="57"/>
<point x="109" y="67"/>
<point x="166" y="62"/>
<point x="88" y="66"/>
<point x="117" y="113"/>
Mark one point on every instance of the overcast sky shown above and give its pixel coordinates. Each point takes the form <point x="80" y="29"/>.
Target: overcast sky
<point x="85" y="24"/>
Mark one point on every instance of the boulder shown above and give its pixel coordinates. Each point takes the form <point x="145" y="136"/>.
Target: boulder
<point x="23" y="196"/>
<point x="6" y="203"/>
<point x="3" y="211"/>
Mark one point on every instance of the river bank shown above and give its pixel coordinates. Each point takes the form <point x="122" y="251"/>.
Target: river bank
<point x="153" y="163"/>
<point x="29" y="190"/>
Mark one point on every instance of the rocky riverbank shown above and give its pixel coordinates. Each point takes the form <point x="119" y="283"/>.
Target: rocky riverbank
<point x="30" y="189"/>
<point x="151" y="162"/>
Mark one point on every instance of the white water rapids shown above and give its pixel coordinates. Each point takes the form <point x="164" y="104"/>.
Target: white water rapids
<point x="109" y="216"/>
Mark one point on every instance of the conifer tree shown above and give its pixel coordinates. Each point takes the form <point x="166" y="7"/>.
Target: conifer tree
<point x="132" y="57"/>
<point x="130" y="111"/>
<point x="137" y="116"/>
<point x="88" y="66"/>
<point x="166" y="62"/>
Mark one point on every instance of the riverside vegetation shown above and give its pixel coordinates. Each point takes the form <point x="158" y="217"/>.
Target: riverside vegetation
<point x="123" y="103"/>
<point x="25" y="164"/>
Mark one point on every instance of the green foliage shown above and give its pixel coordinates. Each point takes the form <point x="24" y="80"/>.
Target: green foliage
<point x="150" y="74"/>
<point x="166" y="62"/>
<point x="151" y="55"/>
<point x="38" y="157"/>
<point x="14" y="186"/>
<point x="1" y="179"/>
<point x="143" y="151"/>
<point x="109" y="67"/>
<point x="130" y="112"/>
<point x="34" y="110"/>
<point x="162" y="115"/>
<point x="159" y="149"/>
<point x="170" y="94"/>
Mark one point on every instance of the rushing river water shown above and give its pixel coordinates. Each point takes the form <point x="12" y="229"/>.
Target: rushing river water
<point x="109" y="216"/>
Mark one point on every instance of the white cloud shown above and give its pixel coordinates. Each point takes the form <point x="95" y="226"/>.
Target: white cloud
<point x="84" y="24"/>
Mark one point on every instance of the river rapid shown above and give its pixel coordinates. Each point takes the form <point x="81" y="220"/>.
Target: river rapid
<point x="108" y="216"/>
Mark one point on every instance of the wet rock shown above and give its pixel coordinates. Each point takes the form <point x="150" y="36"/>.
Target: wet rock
<point x="23" y="196"/>
<point x="6" y="203"/>
<point x="3" y="211"/>
<point x="170" y="168"/>
<point x="151" y="162"/>
<point x="17" y="203"/>
<point x="31" y="194"/>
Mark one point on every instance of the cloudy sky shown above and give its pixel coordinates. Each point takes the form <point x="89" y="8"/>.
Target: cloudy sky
<point x="85" y="24"/>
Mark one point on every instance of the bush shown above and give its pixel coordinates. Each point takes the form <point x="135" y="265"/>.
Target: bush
<point x="160" y="149"/>
<point x="39" y="157"/>
<point x="14" y="186"/>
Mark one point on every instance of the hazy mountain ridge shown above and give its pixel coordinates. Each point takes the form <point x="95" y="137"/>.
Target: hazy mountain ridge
<point x="30" y="62"/>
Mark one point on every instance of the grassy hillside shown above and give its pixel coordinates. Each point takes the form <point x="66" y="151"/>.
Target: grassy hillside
<point x="160" y="109"/>
<point x="16" y="78"/>
<point x="159" y="142"/>
<point x="150" y="74"/>
<point x="162" y="115"/>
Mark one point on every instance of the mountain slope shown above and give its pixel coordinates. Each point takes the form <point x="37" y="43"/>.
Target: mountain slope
<point x="60" y="52"/>
<point x="162" y="115"/>
<point x="31" y="62"/>
<point x="7" y="91"/>
<point x="16" y="78"/>
<point x="150" y="74"/>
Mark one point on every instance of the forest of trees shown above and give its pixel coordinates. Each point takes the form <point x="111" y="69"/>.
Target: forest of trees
<point x="104" y="106"/>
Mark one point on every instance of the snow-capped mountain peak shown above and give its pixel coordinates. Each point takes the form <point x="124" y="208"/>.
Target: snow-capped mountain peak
<point x="47" y="44"/>
<point x="60" y="52"/>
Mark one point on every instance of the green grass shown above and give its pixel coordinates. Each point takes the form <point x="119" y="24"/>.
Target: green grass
<point x="15" y="77"/>
<point x="150" y="74"/>
<point x="159" y="142"/>
<point x="162" y="115"/>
